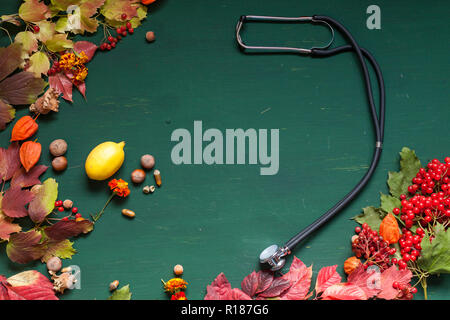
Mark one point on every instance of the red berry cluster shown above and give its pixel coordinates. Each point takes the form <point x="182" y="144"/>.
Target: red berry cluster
<point x="54" y="69"/>
<point x="121" y="32"/>
<point x="370" y="245"/>
<point x="429" y="202"/>
<point x="74" y="211"/>
<point x="406" y="292"/>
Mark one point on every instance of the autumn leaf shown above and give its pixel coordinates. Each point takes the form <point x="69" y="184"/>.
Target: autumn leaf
<point x="7" y="114"/>
<point x="44" y="201"/>
<point x="62" y="85"/>
<point x="6" y="225"/>
<point x="33" y="11"/>
<point x="238" y="294"/>
<point x="24" y="247"/>
<point x="25" y="179"/>
<point x="14" y="201"/>
<point x="87" y="47"/>
<point x="113" y="9"/>
<point x="46" y="30"/>
<point x="59" y="42"/>
<point x="265" y="279"/>
<point x="388" y="277"/>
<point x="327" y="277"/>
<point x="366" y="280"/>
<point x="62" y="249"/>
<point x="9" y="161"/>
<point x="277" y="287"/>
<point x="21" y="88"/>
<point x="343" y="291"/>
<point x="435" y="254"/>
<point x="39" y="64"/>
<point x="299" y="277"/>
<point x="10" y="59"/>
<point x="10" y="19"/>
<point x="219" y="289"/>
<point x="27" y="40"/>
<point x="121" y="294"/>
<point x="27" y="285"/>
<point x="68" y="229"/>
<point x="250" y="284"/>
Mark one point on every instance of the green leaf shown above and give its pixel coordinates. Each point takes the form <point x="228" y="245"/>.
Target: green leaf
<point x="435" y="255"/>
<point x="62" y="25"/>
<point x="398" y="182"/>
<point x="34" y="11"/>
<point x="62" y="249"/>
<point x="388" y="203"/>
<point x="121" y="294"/>
<point x="39" y="64"/>
<point x="59" y="42"/>
<point x="44" y="201"/>
<point x="372" y="216"/>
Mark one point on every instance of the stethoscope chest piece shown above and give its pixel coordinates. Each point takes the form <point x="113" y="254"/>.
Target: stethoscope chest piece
<point x="273" y="256"/>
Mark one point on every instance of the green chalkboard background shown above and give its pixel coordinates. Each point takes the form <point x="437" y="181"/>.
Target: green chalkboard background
<point x="214" y="219"/>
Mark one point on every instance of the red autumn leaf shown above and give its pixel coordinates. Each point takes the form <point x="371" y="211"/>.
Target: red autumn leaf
<point x="250" y="284"/>
<point x="238" y="294"/>
<point x="21" y="88"/>
<point x="299" y="277"/>
<point x="14" y="201"/>
<point x="219" y="289"/>
<point x="278" y="286"/>
<point x="82" y="88"/>
<point x="24" y="247"/>
<point x="9" y="161"/>
<point x="89" y="48"/>
<point x="10" y="59"/>
<point x="327" y="277"/>
<point x="25" y="179"/>
<point x="265" y="280"/>
<point x="68" y="229"/>
<point x="344" y="291"/>
<point x="6" y="225"/>
<point x="27" y="285"/>
<point x="7" y="114"/>
<point x="388" y="276"/>
<point x="368" y="281"/>
<point x="62" y="85"/>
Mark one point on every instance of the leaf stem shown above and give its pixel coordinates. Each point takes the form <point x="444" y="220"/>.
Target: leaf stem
<point x="98" y="215"/>
<point x="423" y="282"/>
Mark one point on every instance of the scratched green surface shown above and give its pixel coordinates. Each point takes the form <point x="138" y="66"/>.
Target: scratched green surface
<point x="214" y="219"/>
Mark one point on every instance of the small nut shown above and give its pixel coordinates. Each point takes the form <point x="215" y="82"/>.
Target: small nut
<point x="178" y="270"/>
<point x="66" y="269"/>
<point x="128" y="213"/>
<point x="147" y="161"/>
<point x="150" y="36"/>
<point x="114" y="285"/>
<point x="68" y="204"/>
<point x="54" y="264"/>
<point x="148" y="189"/>
<point x="58" y="147"/>
<point x="157" y="176"/>
<point x="138" y="176"/>
<point x="59" y="163"/>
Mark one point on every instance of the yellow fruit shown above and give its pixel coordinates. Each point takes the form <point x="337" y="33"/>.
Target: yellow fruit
<point x="104" y="160"/>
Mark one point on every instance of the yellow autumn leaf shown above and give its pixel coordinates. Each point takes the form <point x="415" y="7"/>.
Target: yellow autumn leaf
<point x="39" y="64"/>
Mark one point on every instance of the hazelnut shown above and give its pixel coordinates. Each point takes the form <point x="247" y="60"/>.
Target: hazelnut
<point x="147" y="161"/>
<point x="59" y="163"/>
<point x="58" y="147"/>
<point x="178" y="270"/>
<point x="138" y="176"/>
<point x="68" y="204"/>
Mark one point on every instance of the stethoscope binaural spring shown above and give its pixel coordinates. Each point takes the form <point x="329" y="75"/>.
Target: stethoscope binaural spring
<point x="273" y="255"/>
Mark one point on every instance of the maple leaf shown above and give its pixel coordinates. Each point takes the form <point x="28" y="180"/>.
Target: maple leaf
<point x="24" y="247"/>
<point x="62" y="249"/>
<point x="327" y="277"/>
<point x="277" y="287"/>
<point x="14" y="201"/>
<point x="250" y="284"/>
<point x="25" y="179"/>
<point x="44" y="201"/>
<point x="238" y="294"/>
<point x="388" y="277"/>
<point x="219" y="289"/>
<point x="27" y="285"/>
<point x="343" y="291"/>
<point x="368" y="280"/>
<point x="62" y="85"/>
<point x="9" y="161"/>
<point x="265" y="280"/>
<point x="299" y="277"/>
<point x="68" y="229"/>
<point x="33" y="11"/>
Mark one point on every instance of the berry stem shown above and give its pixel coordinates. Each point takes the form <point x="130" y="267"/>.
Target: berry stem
<point x="98" y="215"/>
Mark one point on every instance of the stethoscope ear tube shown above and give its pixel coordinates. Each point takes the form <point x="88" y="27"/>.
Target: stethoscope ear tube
<point x="273" y="255"/>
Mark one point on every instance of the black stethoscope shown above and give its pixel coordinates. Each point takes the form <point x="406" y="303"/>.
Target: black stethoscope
<point x="273" y="255"/>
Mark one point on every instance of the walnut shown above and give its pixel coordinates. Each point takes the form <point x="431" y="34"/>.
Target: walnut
<point x="46" y="103"/>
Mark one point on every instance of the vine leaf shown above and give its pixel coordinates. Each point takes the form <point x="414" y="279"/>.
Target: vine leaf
<point x="24" y="247"/>
<point x="299" y="277"/>
<point x="44" y="201"/>
<point x="14" y="201"/>
<point x="388" y="203"/>
<point x="435" y="254"/>
<point x="372" y="216"/>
